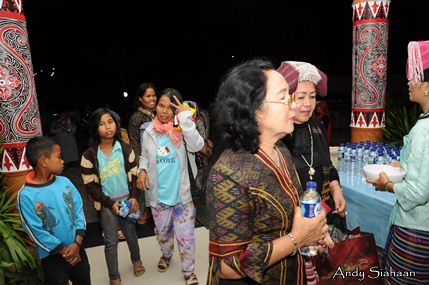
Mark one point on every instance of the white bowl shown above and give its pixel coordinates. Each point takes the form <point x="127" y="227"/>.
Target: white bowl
<point x="395" y="174"/>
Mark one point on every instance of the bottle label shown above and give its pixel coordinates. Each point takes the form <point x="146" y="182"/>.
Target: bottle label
<point x="311" y="208"/>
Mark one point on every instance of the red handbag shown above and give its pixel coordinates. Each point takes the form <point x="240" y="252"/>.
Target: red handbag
<point x="351" y="261"/>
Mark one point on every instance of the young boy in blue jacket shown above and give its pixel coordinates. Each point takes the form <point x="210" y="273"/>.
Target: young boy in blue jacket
<point x="51" y="210"/>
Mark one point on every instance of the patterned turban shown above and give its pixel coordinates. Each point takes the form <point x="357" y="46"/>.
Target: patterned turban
<point x="297" y="71"/>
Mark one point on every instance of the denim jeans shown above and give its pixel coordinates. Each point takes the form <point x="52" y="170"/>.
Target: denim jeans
<point x="109" y="223"/>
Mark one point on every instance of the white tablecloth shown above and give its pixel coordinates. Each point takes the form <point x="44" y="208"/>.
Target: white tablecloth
<point x="366" y="207"/>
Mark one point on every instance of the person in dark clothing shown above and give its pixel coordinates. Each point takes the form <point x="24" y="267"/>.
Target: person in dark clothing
<point x="308" y="143"/>
<point x="145" y="104"/>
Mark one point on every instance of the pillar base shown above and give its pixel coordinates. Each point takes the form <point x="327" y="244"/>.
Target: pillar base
<point x="363" y="134"/>
<point x="14" y="180"/>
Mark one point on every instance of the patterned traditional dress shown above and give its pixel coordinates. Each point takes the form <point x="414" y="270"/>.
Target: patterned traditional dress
<point x="251" y="202"/>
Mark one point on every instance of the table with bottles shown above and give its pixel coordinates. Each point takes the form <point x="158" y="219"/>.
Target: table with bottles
<point x="367" y="208"/>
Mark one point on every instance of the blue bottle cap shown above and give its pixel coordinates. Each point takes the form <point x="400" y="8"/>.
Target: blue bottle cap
<point x="311" y="184"/>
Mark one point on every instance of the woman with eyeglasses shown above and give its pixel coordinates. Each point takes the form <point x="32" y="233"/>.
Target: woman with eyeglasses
<point x="256" y="225"/>
<point x="308" y="143"/>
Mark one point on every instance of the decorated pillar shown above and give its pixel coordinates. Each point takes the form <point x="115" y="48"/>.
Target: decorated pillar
<point x="370" y="41"/>
<point x="19" y="111"/>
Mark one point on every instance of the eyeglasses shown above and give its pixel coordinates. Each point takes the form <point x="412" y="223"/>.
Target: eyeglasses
<point x="290" y="101"/>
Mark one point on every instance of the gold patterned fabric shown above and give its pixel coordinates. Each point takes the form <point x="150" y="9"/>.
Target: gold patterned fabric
<point x="251" y="202"/>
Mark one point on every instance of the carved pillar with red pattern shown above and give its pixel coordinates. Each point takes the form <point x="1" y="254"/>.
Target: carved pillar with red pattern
<point x="19" y="111"/>
<point x="370" y="42"/>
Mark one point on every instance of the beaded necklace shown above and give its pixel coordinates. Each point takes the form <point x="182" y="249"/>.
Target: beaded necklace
<point x="311" y="170"/>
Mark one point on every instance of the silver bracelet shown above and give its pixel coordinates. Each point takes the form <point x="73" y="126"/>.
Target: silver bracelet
<point x="294" y="243"/>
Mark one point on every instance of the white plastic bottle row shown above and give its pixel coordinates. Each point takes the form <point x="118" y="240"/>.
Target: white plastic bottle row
<point x="351" y="158"/>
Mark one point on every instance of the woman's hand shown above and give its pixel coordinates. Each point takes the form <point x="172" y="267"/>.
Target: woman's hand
<point x="309" y="230"/>
<point x="340" y="203"/>
<point x="395" y="164"/>
<point x="143" y="181"/>
<point x="178" y="107"/>
<point x="379" y="182"/>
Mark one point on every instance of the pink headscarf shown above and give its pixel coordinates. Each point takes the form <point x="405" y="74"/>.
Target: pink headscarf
<point x="418" y="60"/>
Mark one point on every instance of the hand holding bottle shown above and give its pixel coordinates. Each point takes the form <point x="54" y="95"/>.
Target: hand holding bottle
<point x="308" y="230"/>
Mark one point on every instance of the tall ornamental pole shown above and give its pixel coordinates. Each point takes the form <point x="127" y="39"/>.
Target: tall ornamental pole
<point x="19" y="111"/>
<point x="370" y="41"/>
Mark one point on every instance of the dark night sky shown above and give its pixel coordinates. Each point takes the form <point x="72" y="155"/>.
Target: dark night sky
<point x="189" y="45"/>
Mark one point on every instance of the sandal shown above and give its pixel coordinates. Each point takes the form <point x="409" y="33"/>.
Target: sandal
<point x="115" y="282"/>
<point x="139" y="269"/>
<point x="163" y="263"/>
<point x="191" y="279"/>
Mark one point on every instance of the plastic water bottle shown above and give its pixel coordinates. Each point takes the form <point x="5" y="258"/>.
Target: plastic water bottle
<point x="311" y="205"/>
<point x="359" y="152"/>
<point x="347" y="151"/>
<point x="380" y="158"/>
<point x="387" y="147"/>
<point x="340" y="156"/>
<point x="365" y="155"/>
<point x="372" y="156"/>
<point x="353" y="161"/>
<point x="388" y="157"/>
<point x="393" y="158"/>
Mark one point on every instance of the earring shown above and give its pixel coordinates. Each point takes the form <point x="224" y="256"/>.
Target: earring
<point x="426" y="93"/>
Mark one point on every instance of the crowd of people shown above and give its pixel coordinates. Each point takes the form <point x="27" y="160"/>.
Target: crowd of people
<point x="276" y="138"/>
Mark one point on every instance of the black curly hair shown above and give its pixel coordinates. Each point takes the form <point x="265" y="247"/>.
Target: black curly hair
<point x="241" y="92"/>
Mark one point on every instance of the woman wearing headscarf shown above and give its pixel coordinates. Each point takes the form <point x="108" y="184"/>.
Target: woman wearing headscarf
<point x="308" y="143"/>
